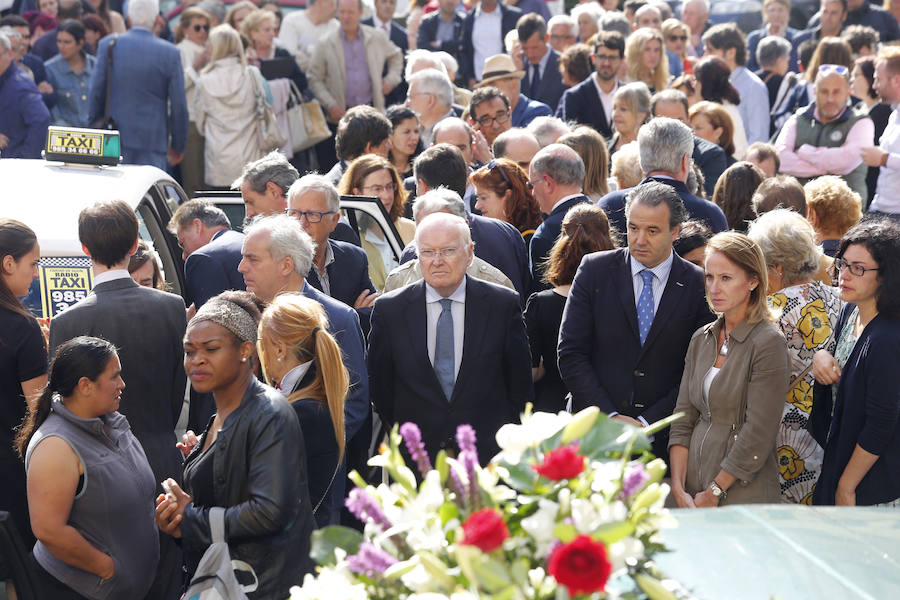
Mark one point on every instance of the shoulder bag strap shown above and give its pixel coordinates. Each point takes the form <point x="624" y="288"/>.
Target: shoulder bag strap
<point x="328" y="489"/>
<point x="109" y="66"/>
<point x="217" y="524"/>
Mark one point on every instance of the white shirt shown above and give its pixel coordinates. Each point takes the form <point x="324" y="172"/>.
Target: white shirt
<point x="111" y="275"/>
<point x="707" y="381"/>
<point x="887" y="191"/>
<point x="563" y="200"/>
<point x="660" y="278"/>
<point x="605" y="99"/>
<point x="487" y="37"/>
<point x="386" y="27"/>
<point x="293" y="377"/>
<point x="457" y="311"/>
<point x="298" y="35"/>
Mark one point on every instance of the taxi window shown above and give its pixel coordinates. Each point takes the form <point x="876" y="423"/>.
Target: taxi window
<point x="152" y="232"/>
<point x="172" y="195"/>
<point x="375" y="241"/>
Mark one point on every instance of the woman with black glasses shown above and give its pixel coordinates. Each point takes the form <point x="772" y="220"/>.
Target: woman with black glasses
<point x="856" y="411"/>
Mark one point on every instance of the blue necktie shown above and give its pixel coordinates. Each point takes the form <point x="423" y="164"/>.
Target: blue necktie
<point x="645" y="305"/>
<point x="444" y="363"/>
<point x="535" y="81"/>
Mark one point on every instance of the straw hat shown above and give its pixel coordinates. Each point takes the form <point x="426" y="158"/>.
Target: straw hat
<point x="499" y="66"/>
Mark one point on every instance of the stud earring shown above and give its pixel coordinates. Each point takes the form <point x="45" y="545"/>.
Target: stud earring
<point x="244" y="359"/>
<point x="279" y="359"/>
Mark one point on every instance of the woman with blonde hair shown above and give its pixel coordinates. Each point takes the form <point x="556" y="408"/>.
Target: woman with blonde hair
<point x="626" y="166"/>
<point x="225" y="109"/>
<point x="732" y="392"/>
<point x="238" y="12"/>
<point x="713" y="123"/>
<point x="645" y="55"/>
<point x="808" y="312"/>
<point x="631" y="109"/>
<point x="372" y="175"/>
<point x="191" y="39"/>
<point x="260" y="28"/>
<point x="832" y="208"/>
<point x="677" y="35"/>
<point x="299" y="357"/>
<point x="591" y="147"/>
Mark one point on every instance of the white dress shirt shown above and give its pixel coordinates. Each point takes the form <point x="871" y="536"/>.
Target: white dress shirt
<point x="887" y="190"/>
<point x="110" y="275"/>
<point x="660" y="278"/>
<point x="487" y="37"/>
<point x="457" y="310"/>
<point x="606" y="100"/>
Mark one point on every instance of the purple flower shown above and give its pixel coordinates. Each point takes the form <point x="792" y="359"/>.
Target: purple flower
<point x="634" y="479"/>
<point x="412" y="437"/>
<point x="469" y="460"/>
<point x="465" y="439"/>
<point x="371" y="560"/>
<point x="457" y="485"/>
<point x="365" y="508"/>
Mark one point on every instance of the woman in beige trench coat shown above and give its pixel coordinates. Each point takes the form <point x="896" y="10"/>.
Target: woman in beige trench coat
<point x="732" y="392"/>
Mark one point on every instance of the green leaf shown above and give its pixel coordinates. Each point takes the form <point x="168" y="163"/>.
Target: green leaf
<point x="609" y="438"/>
<point x="491" y="576"/>
<point x="613" y="532"/>
<point x="325" y="540"/>
<point x="565" y="532"/>
<point x="447" y="512"/>
<point x="519" y="476"/>
<point x="580" y="424"/>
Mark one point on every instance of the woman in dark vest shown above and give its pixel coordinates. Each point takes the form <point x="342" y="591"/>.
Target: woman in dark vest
<point x="90" y="488"/>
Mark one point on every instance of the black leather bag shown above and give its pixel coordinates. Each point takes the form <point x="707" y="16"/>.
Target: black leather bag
<point x="106" y="121"/>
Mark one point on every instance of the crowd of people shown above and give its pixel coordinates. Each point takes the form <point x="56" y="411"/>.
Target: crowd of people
<point x="617" y="207"/>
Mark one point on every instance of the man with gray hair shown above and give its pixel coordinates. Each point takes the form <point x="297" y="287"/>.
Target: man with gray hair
<point x="774" y="57"/>
<point x="431" y="96"/>
<point x="148" y="101"/>
<point x="264" y="184"/>
<point x="556" y="177"/>
<point x="276" y="257"/>
<point x="441" y="346"/>
<point x="563" y="32"/>
<point x="548" y="129"/>
<point x="23" y="116"/>
<point x="210" y="249"/>
<point x="665" y="147"/>
<point x="630" y="316"/>
<point x="442" y="200"/>
<point x="518" y="145"/>
<point x="339" y="269"/>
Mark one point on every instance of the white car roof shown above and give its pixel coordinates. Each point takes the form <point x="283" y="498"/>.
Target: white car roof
<point x="48" y="196"/>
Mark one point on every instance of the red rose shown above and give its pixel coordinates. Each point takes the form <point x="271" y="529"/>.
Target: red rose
<point x="580" y="565"/>
<point x="485" y="529"/>
<point x="562" y="463"/>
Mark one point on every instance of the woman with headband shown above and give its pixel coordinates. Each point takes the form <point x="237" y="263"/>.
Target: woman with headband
<point x="250" y="460"/>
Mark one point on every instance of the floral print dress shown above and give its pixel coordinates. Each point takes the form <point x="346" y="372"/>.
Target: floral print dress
<point x="807" y="314"/>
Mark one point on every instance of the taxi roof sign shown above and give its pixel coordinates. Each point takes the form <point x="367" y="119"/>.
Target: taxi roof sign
<point x="82" y="146"/>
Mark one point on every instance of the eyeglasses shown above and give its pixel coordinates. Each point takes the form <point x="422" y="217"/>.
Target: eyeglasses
<point x="499" y="118"/>
<point x="444" y="253"/>
<point x="855" y="268"/>
<point x="199" y="28"/>
<point x="312" y="216"/>
<point x="375" y="190"/>
<point x="559" y="37"/>
<point x="839" y="69"/>
<point x="677" y="38"/>
<point x="607" y="57"/>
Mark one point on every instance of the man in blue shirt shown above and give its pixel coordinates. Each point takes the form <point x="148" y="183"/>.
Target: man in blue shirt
<point x="23" y="116"/>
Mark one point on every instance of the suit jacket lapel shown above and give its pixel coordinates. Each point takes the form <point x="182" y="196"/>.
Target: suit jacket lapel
<point x="626" y="293"/>
<point x="475" y="324"/>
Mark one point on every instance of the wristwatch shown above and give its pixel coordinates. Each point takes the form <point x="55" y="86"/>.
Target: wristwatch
<point x="718" y="492"/>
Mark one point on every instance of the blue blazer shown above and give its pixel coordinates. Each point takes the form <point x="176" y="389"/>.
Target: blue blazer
<point x="601" y="359"/>
<point x="550" y="87"/>
<point x="348" y="275"/>
<point x="580" y="103"/>
<point x="543" y="239"/>
<point x="343" y="323"/>
<point x="527" y="110"/>
<point x="213" y="268"/>
<point x="698" y="208"/>
<point x="509" y="16"/>
<point x="712" y="162"/>
<point x="496" y="365"/>
<point x="499" y="244"/>
<point x="866" y="412"/>
<point x="148" y="101"/>
<point x="23" y="115"/>
<point x="428" y="29"/>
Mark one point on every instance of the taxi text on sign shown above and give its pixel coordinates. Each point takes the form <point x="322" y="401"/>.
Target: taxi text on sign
<point x="62" y="287"/>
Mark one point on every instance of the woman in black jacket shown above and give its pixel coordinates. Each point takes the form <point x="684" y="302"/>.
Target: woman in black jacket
<point x="856" y="406"/>
<point x="251" y="459"/>
<point x="300" y="358"/>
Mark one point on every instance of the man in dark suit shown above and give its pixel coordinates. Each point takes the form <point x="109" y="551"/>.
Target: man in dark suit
<point x="483" y="37"/>
<point x="708" y="156"/>
<point x="210" y="249"/>
<point x="339" y="269"/>
<point x="496" y="242"/>
<point x="542" y="81"/>
<point x="384" y="19"/>
<point x="665" y="147"/>
<point x="440" y="347"/>
<point x="556" y="175"/>
<point x="630" y="317"/>
<point x="590" y="102"/>
<point x="147" y="327"/>
<point x="442" y="29"/>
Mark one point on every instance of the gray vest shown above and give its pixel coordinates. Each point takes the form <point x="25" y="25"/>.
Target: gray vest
<point x="114" y="510"/>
